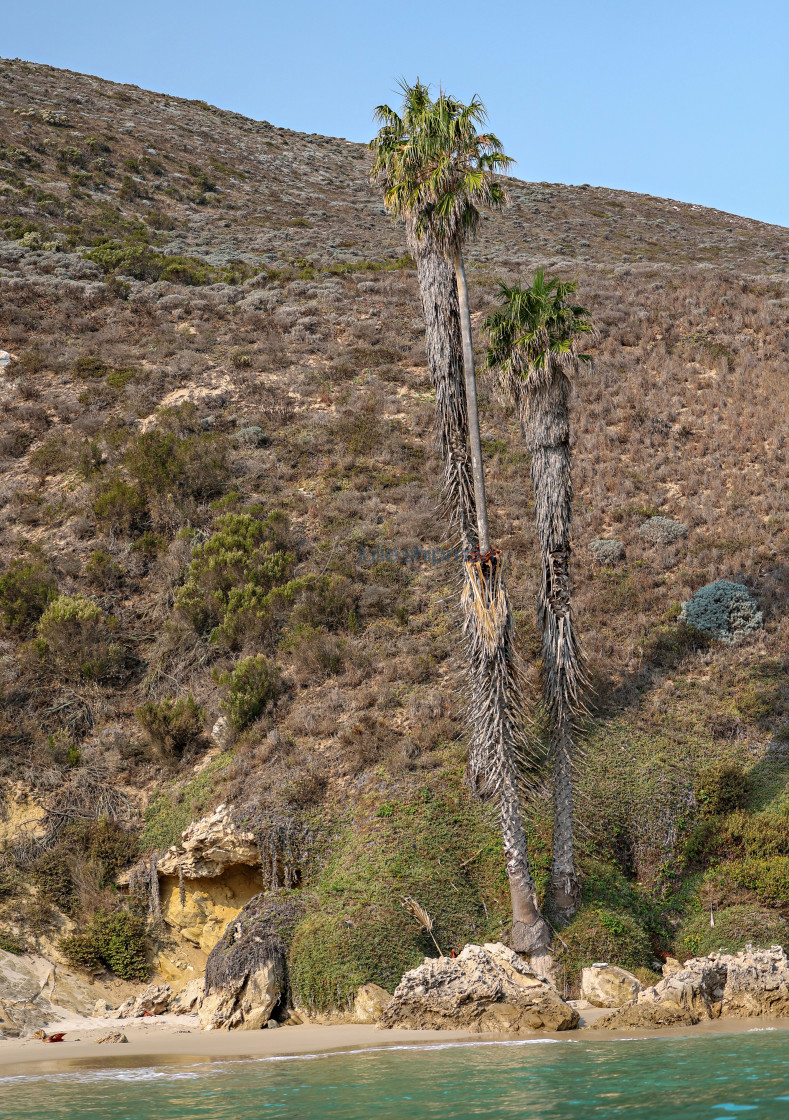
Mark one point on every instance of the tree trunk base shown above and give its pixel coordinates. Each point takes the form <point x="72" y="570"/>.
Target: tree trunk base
<point x="530" y="938"/>
<point x="566" y="896"/>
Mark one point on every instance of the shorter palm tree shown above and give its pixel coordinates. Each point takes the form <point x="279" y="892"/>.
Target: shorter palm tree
<point x="535" y="349"/>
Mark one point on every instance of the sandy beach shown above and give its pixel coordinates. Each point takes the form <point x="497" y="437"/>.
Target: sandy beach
<point x="179" y="1039"/>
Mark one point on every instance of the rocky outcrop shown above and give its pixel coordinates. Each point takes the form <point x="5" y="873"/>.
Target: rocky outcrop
<point x="606" y="985"/>
<point x="153" y="1000"/>
<point x="370" y="1003"/>
<point x="209" y="847"/>
<point x="737" y="985"/>
<point x="485" y="988"/>
<point x="34" y="992"/>
<point x="246" y="972"/>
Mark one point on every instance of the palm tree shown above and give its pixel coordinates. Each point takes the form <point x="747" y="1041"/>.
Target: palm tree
<point x="437" y="169"/>
<point x="534" y="349"/>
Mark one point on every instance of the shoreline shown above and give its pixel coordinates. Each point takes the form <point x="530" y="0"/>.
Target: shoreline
<point x="181" y="1042"/>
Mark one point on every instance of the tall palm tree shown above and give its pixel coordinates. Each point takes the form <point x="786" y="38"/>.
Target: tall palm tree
<point x="436" y="170"/>
<point x="535" y="349"/>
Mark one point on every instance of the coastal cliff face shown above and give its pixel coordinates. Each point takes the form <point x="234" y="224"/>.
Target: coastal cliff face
<point x="222" y="568"/>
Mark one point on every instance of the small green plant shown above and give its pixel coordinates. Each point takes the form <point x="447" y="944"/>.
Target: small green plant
<point x="120" y="506"/>
<point x="173" y="725"/>
<point x="114" y="940"/>
<point x="76" y="635"/>
<point x="166" y="464"/>
<point x="239" y="580"/>
<point x="722" y="788"/>
<point x="253" y="688"/>
<point x="27" y="587"/>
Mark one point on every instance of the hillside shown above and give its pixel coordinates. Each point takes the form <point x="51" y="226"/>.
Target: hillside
<point x="217" y="410"/>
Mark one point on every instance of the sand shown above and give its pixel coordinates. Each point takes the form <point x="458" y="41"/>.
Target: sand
<point x="171" y="1038"/>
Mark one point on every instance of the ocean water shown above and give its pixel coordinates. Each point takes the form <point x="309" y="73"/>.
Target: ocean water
<point x="713" y="1077"/>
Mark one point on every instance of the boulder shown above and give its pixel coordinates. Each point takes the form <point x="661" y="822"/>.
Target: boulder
<point x="370" y="1002"/>
<point x="115" y="1036"/>
<point x="662" y="530"/>
<point x="188" y="1000"/>
<point x="607" y="550"/>
<point x="486" y="988"/>
<point x="246" y="973"/>
<point x="737" y="985"/>
<point x="34" y="992"/>
<point x="153" y="1000"/>
<point x="605" y="985"/>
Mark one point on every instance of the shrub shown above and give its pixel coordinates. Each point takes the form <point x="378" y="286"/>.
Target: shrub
<point x="254" y="686"/>
<point x="239" y="578"/>
<point x="51" y="457"/>
<point x="74" y="632"/>
<point x="315" y="652"/>
<point x="173" y="726"/>
<point x="602" y="933"/>
<point x="139" y="260"/>
<point x="767" y="878"/>
<point x="735" y="927"/>
<point x="115" y="940"/>
<point x="328" y="601"/>
<point x="120" y="506"/>
<point x="101" y="570"/>
<point x="724" y="610"/>
<point x="26" y="589"/>
<point x="165" y="464"/>
<point x="721" y="788"/>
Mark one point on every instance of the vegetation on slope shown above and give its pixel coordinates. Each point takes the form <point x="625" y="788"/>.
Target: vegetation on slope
<point x="139" y="417"/>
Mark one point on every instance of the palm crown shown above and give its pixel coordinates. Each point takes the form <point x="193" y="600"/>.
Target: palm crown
<point x="536" y="327"/>
<point x="436" y="167"/>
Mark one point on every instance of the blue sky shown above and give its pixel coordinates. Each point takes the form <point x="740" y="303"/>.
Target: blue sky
<point x="684" y="100"/>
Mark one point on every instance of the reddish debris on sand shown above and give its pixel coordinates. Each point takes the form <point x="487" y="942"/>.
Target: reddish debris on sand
<point x="54" y="1037"/>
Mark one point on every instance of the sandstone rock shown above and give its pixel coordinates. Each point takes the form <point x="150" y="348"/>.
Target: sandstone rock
<point x="605" y="985"/>
<point x="115" y="1036"/>
<point x="607" y="550"/>
<point x="34" y="992"/>
<point x="245" y="1005"/>
<point x="188" y="1000"/>
<point x="370" y="1002"/>
<point x="153" y="1000"/>
<point x="737" y="985"/>
<point x="670" y="966"/>
<point x="485" y="988"/>
<point x="246" y="974"/>
<point x="209" y="846"/>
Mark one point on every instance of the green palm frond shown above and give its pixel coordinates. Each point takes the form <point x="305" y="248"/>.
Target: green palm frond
<point x="535" y="325"/>
<point x="436" y="165"/>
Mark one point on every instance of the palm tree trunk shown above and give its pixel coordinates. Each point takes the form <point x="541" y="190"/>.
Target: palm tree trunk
<point x="496" y="704"/>
<point x="444" y="346"/>
<point x="475" y="444"/>
<point x="546" y="428"/>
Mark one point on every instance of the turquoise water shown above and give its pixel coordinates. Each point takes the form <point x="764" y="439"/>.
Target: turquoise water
<point x="704" y="1078"/>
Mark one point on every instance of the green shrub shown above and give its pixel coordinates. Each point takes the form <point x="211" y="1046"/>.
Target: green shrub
<point x="101" y="570"/>
<point x="721" y="788"/>
<point x="767" y="878"/>
<point x="165" y="464"/>
<point x="253" y="688"/>
<point x="437" y="845"/>
<point x="170" y="811"/>
<point x="328" y="601"/>
<point x="51" y="457"/>
<point x="115" y="940"/>
<point x="120" y="506"/>
<point x="239" y="580"/>
<point x="173" y="726"/>
<point x="9" y="943"/>
<point x="76" y="635"/>
<point x="735" y="927"/>
<point x="601" y="933"/>
<point x="27" y="587"/>
<point x="142" y="262"/>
